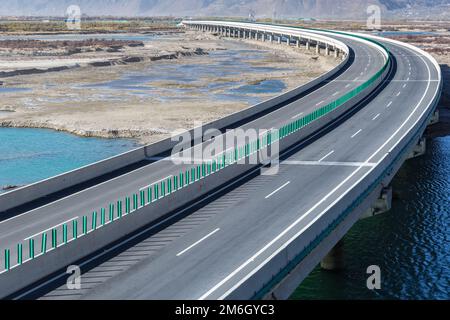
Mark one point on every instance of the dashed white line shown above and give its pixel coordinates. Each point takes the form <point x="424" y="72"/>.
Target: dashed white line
<point x="398" y="93"/>
<point x="196" y="243"/>
<point x="328" y="154"/>
<point x="337" y="92"/>
<point x="356" y="133"/>
<point x="276" y="190"/>
<point x="389" y="104"/>
<point x="374" y="118"/>
<point x="318" y="103"/>
<point x="297" y="115"/>
<point x="348" y="85"/>
<point x="404" y="85"/>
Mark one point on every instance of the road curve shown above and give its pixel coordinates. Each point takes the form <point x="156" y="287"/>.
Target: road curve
<point x="216" y="249"/>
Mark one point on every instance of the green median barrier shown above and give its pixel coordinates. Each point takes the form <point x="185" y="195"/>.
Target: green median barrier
<point x="19" y="253"/>
<point x="31" y="248"/>
<point x="74" y="229"/>
<point x="149" y="195"/>
<point x="127" y="205"/>
<point x="181" y="179"/>
<point x="111" y="212"/>
<point x="7" y="259"/>
<point x="102" y="216"/>
<point x="163" y="188"/>
<point x="94" y="220"/>
<point x="142" y="197"/>
<point x="44" y="243"/>
<point x="187" y="177"/>
<point x="119" y="208"/>
<point x="135" y="201"/>
<point x="175" y="183"/>
<point x="54" y="238"/>
<point x="85" y="229"/>
<point x="155" y="189"/>
<point x="169" y="185"/>
<point x="84" y="225"/>
<point x="64" y="233"/>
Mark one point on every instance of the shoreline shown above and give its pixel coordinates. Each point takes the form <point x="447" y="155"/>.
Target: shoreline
<point x="176" y="114"/>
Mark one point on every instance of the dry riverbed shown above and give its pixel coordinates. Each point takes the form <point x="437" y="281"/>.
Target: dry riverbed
<point x="70" y="100"/>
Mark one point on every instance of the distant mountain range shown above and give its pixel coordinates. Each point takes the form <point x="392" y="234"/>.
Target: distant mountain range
<point x="259" y="8"/>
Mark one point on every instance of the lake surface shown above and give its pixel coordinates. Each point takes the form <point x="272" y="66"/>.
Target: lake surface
<point x="410" y="243"/>
<point x="30" y="155"/>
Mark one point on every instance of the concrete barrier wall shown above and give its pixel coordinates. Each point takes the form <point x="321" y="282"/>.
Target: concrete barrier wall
<point x="69" y="179"/>
<point x="44" y="265"/>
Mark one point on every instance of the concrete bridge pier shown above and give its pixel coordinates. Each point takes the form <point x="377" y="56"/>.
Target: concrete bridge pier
<point x="336" y="52"/>
<point x="419" y="149"/>
<point x="263" y="37"/>
<point x="381" y="205"/>
<point x="334" y="260"/>
<point x="318" y="47"/>
<point x="298" y="43"/>
<point x="434" y="118"/>
<point x="327" y="50"/>
<point x="308" y="45"/>
<point x="271" y="38"/>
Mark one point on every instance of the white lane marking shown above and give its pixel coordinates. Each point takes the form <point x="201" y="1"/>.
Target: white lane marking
<point x="374" y="118"/>
<point x="319" y="103"/>
<point x="41" y="232"/>
<point x="328" y="154"/>
<point x="297" y="115"/>
<point x="337" y="92"/>
<point x="327" y="163"/>
<point x="348" y="85"/>
<point x="196" y="243"/>
<point x="404" y="85"/>
<point x="407" y="79"/>
<point x="398" y="93"/>
<point x="251" y="259"/>
<point x="389" y="104"/>
<point x="361" y="73"/>
<point x="356" y="79"/>
<point x="356" y="133"/>
<point x="276" y="190"/>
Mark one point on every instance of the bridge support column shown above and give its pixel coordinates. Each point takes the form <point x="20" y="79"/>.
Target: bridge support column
<point x="434" y="118"/>
<point x="418" y="149"/>
<point x="288" y="40"/>
<point x="298" y="43"/>
<point x="381" y="205"/>
<point x="327" y="50"/>
<point x="307" y="45"/>
<point x="263" y="37"/>
<point x="334" y="260"/>
<point x="318" y="48"/>
<point x="271" y="38"/>
<point x="279" y="39"/>
<point x="336" y="52"/>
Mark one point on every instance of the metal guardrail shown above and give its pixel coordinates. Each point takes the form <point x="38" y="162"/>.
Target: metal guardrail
<point x="156" y="191"/>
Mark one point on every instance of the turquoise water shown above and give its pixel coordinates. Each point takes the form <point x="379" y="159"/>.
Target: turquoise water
<point x="410" y="243"/>
<point x="30" y="155"/>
